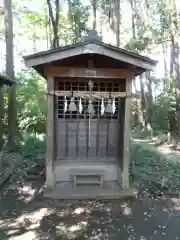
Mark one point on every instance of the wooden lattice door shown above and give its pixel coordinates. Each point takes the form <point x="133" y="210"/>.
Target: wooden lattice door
<point x="81" y="135"/>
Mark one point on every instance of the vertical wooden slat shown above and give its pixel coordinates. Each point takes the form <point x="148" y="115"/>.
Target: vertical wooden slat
<point x="1" y="116"/>
<point x="87" y="137"/>
<point x="70" y="99"/>
<point x="97" y="129"/>
<point x="61" y="138"/>
<point x="127" y="132"/>
<point x="66" y="129"/>
<point x="118" y="134"/>
<point x="82" y="139"/>
<point x="50" y="141"/>
<point x="67" y="138"/>
<point x="107" y="139"/>
<point x="55" y="107"/>
<point x="107" y="128"/>
<point x="119" y="130"/>
<point x="77" y="128"/>
<point x="64" y="103"/>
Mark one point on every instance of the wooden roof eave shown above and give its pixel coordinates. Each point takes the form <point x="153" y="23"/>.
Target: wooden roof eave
<point x="90" y="48"/>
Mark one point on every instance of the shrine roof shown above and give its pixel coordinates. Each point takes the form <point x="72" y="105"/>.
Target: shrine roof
<point x="91" y="45"/>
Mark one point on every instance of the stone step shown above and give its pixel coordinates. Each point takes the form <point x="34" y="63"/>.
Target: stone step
<point x="87" y="182"/>
<point x="89" y="193"/>
<point x="88" y="179"/>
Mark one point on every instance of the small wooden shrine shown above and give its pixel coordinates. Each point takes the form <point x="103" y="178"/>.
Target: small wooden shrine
<point x="89" y="92"/>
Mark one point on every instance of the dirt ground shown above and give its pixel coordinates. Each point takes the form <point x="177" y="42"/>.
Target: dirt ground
<point x="26" y="215"/>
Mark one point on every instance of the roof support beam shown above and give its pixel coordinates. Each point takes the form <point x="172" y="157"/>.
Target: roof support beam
<point x="89" y="73"/>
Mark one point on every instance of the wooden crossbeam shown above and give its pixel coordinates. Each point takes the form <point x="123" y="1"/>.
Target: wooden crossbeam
<point x="86" y="94"/>
<point x="89" y="73"/>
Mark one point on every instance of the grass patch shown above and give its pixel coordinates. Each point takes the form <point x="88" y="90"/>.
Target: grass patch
<point x="28" y="153"/>
<point x="151" y="166"/>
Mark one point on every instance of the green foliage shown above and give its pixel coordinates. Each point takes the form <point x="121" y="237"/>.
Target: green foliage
<point x="31" y="103"/>
<point x="31" y="111"/>
<point x="138" y="45"/>
<point x="78" y="18"/>
<point x="32" y="146"/>
<point x="149" y="165"/>
<point x="160" y="110"/>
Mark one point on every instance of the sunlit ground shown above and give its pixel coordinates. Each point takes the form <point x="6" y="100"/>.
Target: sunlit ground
<point x="26" y="216"/>
<point x="167" y="149"/>
<point x="164" y="148"/>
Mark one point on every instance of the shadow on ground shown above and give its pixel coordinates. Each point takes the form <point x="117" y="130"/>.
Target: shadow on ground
<point x="24" y="214"/>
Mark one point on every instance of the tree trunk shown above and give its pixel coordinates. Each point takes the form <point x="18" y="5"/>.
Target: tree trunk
<point x="175" y="60"/>
<point x="34" y="37"/>
<point x="12" y="115"/>
<point x="46" y="29"/>
<point x="54" y="22"/>
<point x="133" y="18"/>
<point x="166" y="82"/>
<point x="138" y="113"/>
<point x="177" y="79"/>
<point x="164" y="49"/>
<point x="143" y="101"/>
<point x="138" y="102"/>
<point x="117" y="21"/>
<point x="94" y="3"/>
<point x="171" y="59"/>
<point x="71" y="18"/>
<point x="149" y="102"/>
<point x="57" y="23"/>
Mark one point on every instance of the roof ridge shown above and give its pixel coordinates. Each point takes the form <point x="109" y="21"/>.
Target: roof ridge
<point x="122" y="50"/>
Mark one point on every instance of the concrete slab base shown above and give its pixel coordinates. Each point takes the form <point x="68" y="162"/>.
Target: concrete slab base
<point x="93" y="192"/>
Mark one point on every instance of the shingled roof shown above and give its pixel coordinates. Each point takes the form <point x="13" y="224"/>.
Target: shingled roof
<point x="90" y="44"/>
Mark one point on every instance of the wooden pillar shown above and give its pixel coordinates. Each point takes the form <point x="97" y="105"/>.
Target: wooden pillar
<point x="1" y="123"/>
<point x="50" y="138"/>
<point x="127" y="135"/>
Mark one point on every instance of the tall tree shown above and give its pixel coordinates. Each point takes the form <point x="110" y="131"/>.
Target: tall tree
<point x="140" y="104"/>
<point x="112" y="10"/>
<point x="174" y="34"/>
<point x="12" y="121"/>
<point x="78" y="14"/>
<point x="117" y="21"/>
<point x="54" y="11"/>
<point x="94" y="4"/>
